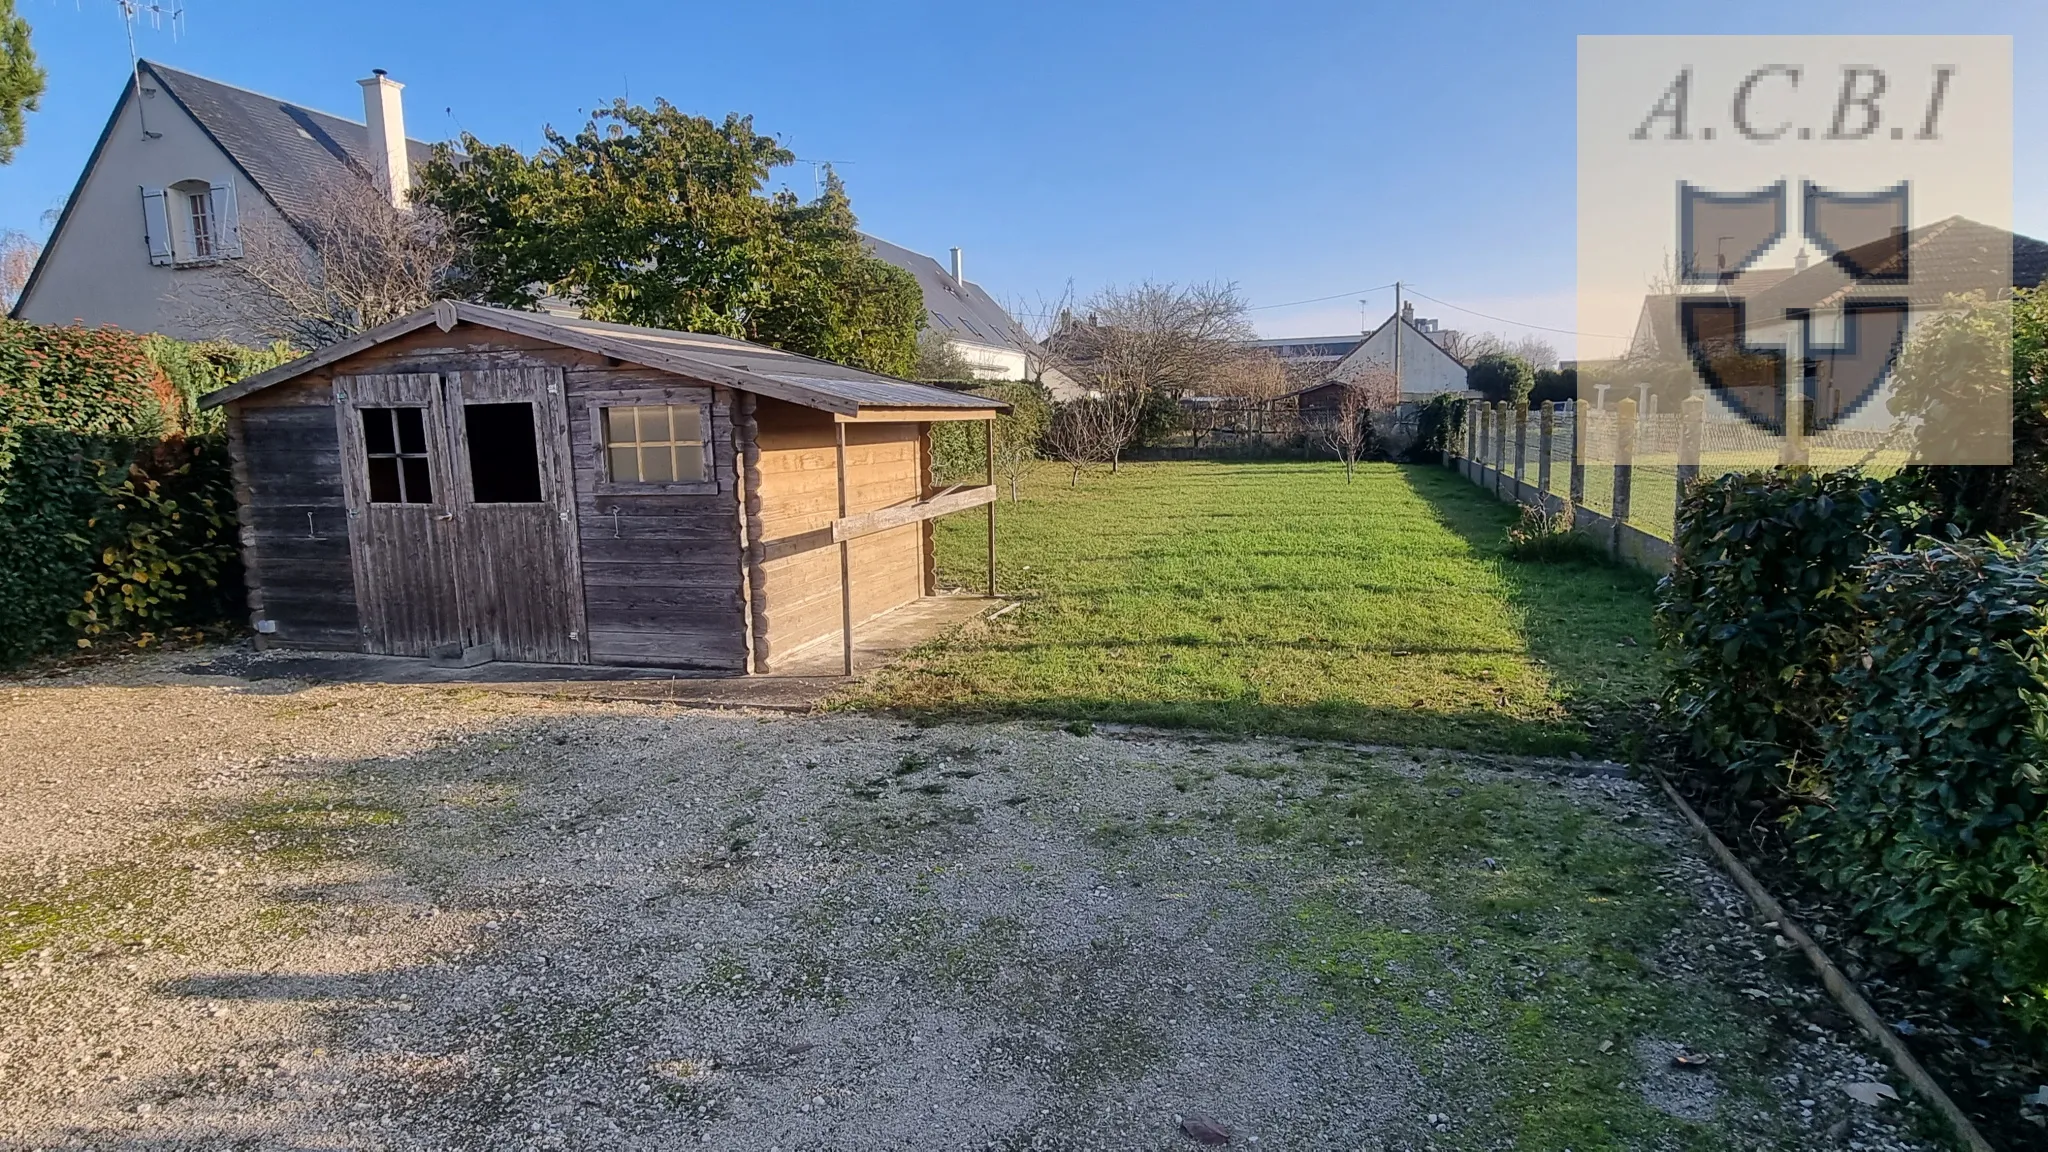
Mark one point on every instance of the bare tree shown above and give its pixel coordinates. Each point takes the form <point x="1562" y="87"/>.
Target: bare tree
<point x="18" y="252"/>
<point x="1346" y="429"/>
<point x="1540" y="353"/>
<point x="1083" y="432"/>
<point x="1048" y="325"/>
<point x="1466" y="347"/>
<point x="352" y="262"/>
<point x="1164" y="339"/>
<point x="1019" y="433"/>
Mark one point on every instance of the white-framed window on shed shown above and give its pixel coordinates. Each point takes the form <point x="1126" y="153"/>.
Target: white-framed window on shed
<point x="654" y="444"/>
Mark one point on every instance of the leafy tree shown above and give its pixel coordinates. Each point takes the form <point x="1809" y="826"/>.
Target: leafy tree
<point x="1956" y="362"/>
<point x="939" y="361"/>
<point x="21" y="82"/>
<point x="1501" y="376"/>
<point x="656" y="217"/>
<point x="1555" y="384"/>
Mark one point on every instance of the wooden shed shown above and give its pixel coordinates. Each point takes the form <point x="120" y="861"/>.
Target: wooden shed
<point x="472" y="483"/>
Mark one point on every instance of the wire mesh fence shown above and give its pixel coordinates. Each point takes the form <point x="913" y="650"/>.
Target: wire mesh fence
<point x="1654" y="447"/>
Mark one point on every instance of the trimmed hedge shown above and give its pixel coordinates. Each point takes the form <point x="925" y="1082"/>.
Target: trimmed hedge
<point x="1760" y="609"/>
<point x="116" y="506"/>
<point x="1930" y="821"/>
<point x="1886" y="691"/>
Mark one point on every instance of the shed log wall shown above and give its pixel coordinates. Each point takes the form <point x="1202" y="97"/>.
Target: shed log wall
<point x="661" y="572"/>
<point x="294" y="524"/>
<point x="793" y="504"/>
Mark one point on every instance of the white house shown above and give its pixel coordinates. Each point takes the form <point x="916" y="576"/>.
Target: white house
<point x="1799" y="311"/>
<point x="183" y="165"/>
<point x="971" y="321"/>
<point x="1425" y="368"/>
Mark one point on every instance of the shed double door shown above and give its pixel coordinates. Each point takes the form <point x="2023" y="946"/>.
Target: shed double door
<point x="462" y="513"/>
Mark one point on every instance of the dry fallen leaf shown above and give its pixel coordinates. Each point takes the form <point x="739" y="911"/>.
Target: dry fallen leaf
<point x="1870" y="1092"/>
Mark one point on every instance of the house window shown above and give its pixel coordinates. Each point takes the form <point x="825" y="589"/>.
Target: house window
<point x="654" y="444"/>
<point x="199" y="205"/>
<point x="395" y="445"/>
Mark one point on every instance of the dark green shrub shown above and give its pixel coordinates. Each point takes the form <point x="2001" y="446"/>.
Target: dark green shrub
<point x="1439" y="428"/>
<point x="1761" y="608"/>
<point x="116" y="508"/>
<point x="1502" y="376"/>
<point x="960" y="455"/>
<point x="1930" y="818"/>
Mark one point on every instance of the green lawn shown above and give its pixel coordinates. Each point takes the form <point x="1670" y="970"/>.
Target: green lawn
<point x="1274" y="597"/>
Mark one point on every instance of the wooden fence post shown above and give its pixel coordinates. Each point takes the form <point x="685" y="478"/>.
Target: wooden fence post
<point x="1546" y="420"/>
<point x="1624" y="457"/>
<point x="1691" y="427"/>
<point x="1578" y="474"/>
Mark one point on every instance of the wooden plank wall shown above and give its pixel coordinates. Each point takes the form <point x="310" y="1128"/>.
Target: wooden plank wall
<point x="294" y="520"/>
<point x="662" y="577"/>
<point x="790" y="514"/>
<point x="661" y="572"/>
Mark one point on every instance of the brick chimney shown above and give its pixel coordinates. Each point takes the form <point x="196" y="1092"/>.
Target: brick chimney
<point x="383" y="112"/>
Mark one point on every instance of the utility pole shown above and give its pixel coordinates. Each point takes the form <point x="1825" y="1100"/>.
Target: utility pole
<point x="1398" y="324"/>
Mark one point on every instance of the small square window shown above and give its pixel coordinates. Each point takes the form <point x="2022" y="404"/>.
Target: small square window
<point x="395" y="445"/>
<point x="654" y="444"/>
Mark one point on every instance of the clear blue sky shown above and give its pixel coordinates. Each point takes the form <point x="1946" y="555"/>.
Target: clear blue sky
<point x="1301" y="150"/>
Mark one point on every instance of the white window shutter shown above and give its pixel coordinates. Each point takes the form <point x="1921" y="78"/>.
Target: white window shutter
<point x="227" y="228"/>
<point x="156" y="225"/>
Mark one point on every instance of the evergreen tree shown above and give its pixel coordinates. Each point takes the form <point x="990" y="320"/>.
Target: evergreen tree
<point x="21" y="82"/>
<point x="656" y="217"/>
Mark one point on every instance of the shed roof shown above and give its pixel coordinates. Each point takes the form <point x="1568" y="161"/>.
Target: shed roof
<point x="754" y="368"/>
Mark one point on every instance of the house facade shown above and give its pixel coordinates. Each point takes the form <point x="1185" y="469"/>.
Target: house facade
<point x="1426" y="369"/>
<point x="184" y="167"/>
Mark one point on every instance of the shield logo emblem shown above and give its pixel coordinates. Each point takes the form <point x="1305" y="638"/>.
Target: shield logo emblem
<point x="1720" y="234"/>
<point x="1750" y="378"/>
<point x="1864" y="233"/>
<point x="1841" y="378"/>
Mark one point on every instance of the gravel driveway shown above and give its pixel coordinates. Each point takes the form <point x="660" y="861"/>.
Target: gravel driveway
<point x="285" y="916"/>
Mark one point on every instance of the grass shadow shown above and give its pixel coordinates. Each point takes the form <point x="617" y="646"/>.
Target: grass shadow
<point x="1585" y="618"/>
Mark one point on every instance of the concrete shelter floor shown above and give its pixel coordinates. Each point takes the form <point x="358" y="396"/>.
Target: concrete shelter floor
<point x="795" y="684"/>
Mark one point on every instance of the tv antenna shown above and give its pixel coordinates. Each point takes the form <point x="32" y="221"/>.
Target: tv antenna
<point x="159" y="12"/>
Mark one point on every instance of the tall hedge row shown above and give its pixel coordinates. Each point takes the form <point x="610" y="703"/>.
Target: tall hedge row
<point x="1761" y="608"/>
<point x="1929" y="812"/>
<point x="1838" y="650"/>
<point x="116" y="507"/>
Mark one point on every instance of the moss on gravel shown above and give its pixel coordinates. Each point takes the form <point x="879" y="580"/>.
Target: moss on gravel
<point x="1526" y="970"/>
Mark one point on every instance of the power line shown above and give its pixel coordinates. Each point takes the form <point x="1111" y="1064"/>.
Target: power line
<point x="1516" y="323"/>
<point x="1319" y="299"/>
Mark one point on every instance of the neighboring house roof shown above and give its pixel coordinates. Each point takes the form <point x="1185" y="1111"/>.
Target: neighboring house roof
<point x="287" y="150"/>
<point x="736" y="364"/>
<point x="1311" y="348"/>
<point x="1365" y="349"/>
<point x="1939" y="257"/>
<point x="957" y="311"/>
